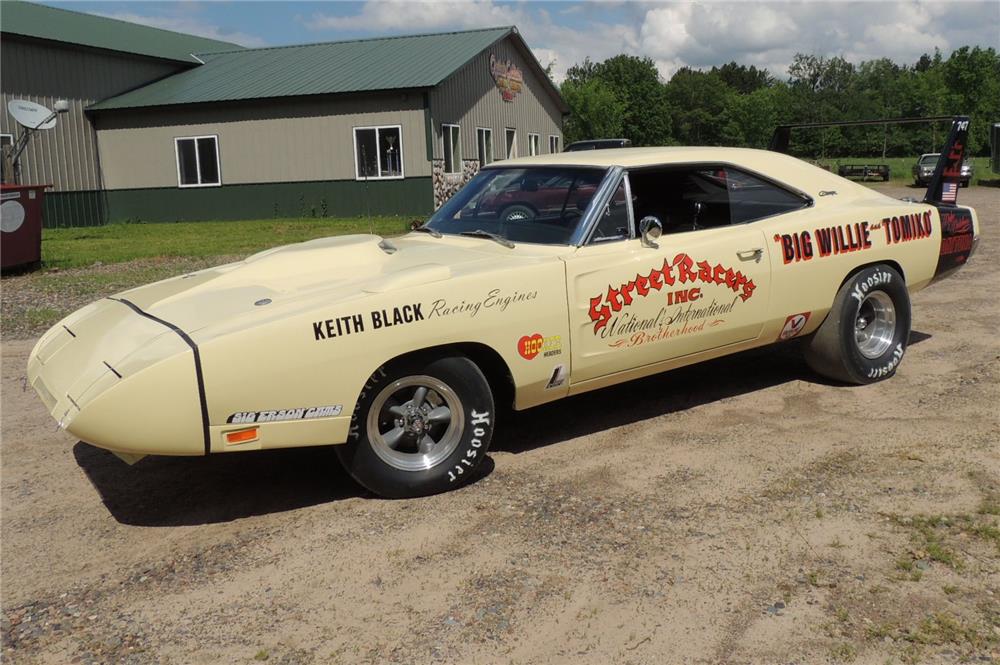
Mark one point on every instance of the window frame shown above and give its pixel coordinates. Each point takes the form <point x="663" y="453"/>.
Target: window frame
<point x="512" y="153"/>
<point x="551" y="137"/>
<point x="197" y="160"/>
<point x="378" y="128"/>
<point x="482" y="131"/>
<point x="455" y="131"/>
<point x="629" y="213"/>
<point x="534" y="144"/>
<point x="807" y="200"/>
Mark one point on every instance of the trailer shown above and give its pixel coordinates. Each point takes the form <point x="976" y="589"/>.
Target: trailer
<point x="864" y="171"/>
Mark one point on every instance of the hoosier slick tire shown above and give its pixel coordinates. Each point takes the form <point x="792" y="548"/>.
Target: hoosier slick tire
<point x="864" y="337"/>
<point x="420" y="427"/>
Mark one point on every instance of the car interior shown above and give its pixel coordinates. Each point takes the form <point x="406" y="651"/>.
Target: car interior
<point x="705" y="197"/>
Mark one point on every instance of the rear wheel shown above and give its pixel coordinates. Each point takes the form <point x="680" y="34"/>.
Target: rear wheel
<point x="864" y="337"/>
<point x="419" y="427"/>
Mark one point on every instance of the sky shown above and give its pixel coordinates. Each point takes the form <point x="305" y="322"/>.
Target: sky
<point x="673" y="34"/>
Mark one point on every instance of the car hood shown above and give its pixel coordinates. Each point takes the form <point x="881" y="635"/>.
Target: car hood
<point x="279" y="281"/>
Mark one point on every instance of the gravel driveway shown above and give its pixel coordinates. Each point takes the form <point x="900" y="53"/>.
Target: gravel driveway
<point x="741" y="511"/>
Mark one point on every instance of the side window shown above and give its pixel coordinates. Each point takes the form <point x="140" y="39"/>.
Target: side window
<point x="614" y="222"/>
<point x="378" y="152"/>
<point x="484" y="143"/>
<point x="510" y="142"/>
<point x="752" y="198"/>
<point x="452" y="149"/>
<point x="704" y="197"/>
<point x="197" y="161"/>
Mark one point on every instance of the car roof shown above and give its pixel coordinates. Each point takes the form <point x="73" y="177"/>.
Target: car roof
<point x="639" y="157"/>
<point x="775" y="165"/>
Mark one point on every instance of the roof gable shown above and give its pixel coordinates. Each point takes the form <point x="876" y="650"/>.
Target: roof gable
<point x="61" y="25"/>
<point x="368" y="65"/>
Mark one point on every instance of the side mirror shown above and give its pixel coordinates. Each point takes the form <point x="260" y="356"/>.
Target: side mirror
<point x="650" y="228"/>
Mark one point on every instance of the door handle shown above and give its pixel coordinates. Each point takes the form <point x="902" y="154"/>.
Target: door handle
<point x="754" y="254"/>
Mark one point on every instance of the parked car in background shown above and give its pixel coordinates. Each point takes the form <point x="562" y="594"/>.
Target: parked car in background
<point x="598" y="144"/>
<point x="924" y="169"/>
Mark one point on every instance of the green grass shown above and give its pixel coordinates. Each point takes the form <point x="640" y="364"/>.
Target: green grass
<point x="117" y="243"/>
<point x="901" y="168"/>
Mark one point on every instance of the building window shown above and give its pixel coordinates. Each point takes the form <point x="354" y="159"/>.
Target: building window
<point x="484" y="141"/>
<point x="378" y="152"/>
<point x="198" y="161"/>
<point x="452" y="149"/>
<point x="553" y="144"/>
<point x="534" y="143"/>
<point x="510" y="138"/>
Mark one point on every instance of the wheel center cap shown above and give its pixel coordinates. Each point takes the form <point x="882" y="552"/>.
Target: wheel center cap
<point x="413" y="422"/>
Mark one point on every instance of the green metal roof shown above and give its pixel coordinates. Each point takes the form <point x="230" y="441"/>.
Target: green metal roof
<point x="61" y="25"/>
<point x="389" y="63"/>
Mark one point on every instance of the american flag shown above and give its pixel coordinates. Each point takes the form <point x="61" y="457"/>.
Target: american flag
<point x="950" y="192"/>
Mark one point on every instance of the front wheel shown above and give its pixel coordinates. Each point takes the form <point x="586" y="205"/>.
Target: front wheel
<point x="419" y="427"/>
<point x="864" y="337"/>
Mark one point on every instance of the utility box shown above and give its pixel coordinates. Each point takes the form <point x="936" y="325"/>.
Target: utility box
<point x="21" y="226"/>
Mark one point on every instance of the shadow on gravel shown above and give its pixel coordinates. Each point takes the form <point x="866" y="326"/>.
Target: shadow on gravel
<point x="659" y="395"/>
<point x="183" y="491"/>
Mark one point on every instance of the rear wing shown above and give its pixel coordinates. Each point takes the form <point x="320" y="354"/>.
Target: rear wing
<point x="944" y="184"/>
<point x="943" y="188"/>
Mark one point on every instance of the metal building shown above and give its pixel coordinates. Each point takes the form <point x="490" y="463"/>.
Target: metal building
<point x="386" y="126"/>
<point x="47" y="54"/>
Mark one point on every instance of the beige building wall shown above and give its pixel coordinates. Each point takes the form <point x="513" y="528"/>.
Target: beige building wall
<point x="470" y="98"/>
<point x="265" y="141"/>
<point x="43" y="72"/>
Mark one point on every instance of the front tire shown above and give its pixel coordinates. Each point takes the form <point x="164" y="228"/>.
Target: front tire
<point x="420" y="427"/>
<point x="864" y="337"/>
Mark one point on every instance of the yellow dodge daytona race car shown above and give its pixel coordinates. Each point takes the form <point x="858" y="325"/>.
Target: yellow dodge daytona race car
<point x="543" y="277"/>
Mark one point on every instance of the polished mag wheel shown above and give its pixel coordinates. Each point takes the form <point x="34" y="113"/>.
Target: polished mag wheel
<point x="875" y="324"/>
<point x="415" y="423"/>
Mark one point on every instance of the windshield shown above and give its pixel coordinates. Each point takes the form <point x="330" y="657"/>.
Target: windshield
<point x="539" y="205"/>
<point x="929" y="159"/>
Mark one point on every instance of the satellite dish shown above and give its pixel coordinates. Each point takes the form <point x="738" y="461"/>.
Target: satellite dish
<point x="31" y="115"/>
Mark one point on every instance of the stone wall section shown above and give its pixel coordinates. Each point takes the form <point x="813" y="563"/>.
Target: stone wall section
<point x="447" y="184"/>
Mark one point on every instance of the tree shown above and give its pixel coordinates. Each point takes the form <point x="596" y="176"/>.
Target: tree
<point x="743" y="79"/>
<point x="972" y="76"/>
<point x="700" y="101"/>
<point x="629" y="90"/>
<point x="595" y="111"/>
